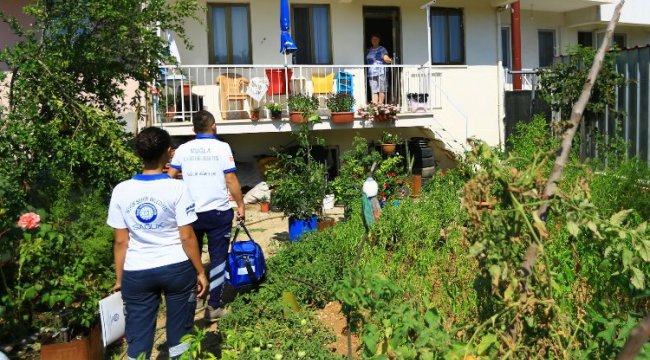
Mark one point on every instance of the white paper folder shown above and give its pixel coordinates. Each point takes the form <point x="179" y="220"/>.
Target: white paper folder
<point x="111" y="312"/>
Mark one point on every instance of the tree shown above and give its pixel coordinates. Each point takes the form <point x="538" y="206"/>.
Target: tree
<point x="63" y="145"/>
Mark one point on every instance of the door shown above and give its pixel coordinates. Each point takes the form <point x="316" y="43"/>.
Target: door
<point x="385" y="22"/>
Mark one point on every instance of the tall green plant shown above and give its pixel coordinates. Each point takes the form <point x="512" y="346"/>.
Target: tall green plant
<point x="562" y="83"/>
<point x="298" y="180"/>
<point x="355" y="167"/>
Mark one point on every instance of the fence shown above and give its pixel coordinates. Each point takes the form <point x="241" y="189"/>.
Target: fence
<point x="231" y="91"/>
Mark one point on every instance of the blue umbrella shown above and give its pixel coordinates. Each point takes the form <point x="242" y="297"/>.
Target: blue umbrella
<point x="287" y="46"/>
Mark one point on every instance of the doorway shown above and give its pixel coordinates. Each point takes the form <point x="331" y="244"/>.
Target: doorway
<point x="385" y="22"/>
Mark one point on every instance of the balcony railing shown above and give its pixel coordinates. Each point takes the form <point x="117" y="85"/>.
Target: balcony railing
<point x="231" y="92"/>
<point x="528" y="79"/>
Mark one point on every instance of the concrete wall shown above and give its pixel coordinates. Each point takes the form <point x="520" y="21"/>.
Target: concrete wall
<point x="7" y="37"/>
<point x="635" y="12"/>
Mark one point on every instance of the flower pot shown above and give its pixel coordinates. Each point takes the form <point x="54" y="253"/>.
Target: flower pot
<point x="381" y="118"/>
<point x="416" y="185"/>
<point x="388" y="149"/>
<point x="265" y="207"/>
<point x="296" y="117"/>
<point x="255" y="115"/>
<point x="186" y="89"/>
<point x="298" y="227"/>
<point x="325" y="223"/>
<point x="276" y="115"/>
<point x="342" y="117"/>
<point x="87" y="348"/>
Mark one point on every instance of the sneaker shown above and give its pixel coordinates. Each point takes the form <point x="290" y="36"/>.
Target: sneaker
<point x="212" y="314"/>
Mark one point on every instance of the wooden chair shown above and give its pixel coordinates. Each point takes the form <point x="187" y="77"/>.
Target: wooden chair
<point x="232" y="88"/>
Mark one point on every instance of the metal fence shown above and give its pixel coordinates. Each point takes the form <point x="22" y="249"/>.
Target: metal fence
<point x="231" y="92"/>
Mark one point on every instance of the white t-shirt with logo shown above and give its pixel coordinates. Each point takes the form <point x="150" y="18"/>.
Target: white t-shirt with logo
<point x="204" y="162"/>
<point x="152" y="207"/>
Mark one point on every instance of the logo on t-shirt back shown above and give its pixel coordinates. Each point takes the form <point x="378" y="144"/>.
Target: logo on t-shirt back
<point x="146" y="213"/>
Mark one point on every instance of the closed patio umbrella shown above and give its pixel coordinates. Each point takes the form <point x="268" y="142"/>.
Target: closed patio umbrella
<point x="287" y="46"/>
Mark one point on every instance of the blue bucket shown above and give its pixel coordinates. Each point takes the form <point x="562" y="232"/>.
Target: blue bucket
<point x="297" y="227"/>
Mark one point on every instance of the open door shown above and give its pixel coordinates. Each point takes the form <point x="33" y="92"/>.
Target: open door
<point x="385" y="21"/>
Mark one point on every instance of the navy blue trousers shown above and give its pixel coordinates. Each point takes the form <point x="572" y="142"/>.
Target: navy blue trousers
<point x="217" y="225"/>
<point x="141" y="292"/>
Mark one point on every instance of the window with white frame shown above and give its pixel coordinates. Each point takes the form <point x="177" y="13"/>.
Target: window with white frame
<point x="447" y="36"/>
<point x="311" y="33"/>
<point x="546" y="47"/>
<point x="229" y="34"/>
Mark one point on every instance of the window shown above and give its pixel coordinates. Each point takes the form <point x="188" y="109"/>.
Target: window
<point x="586" y="38"/>
<point x="620" y="40"/>
<point x="506" y="43"/>
<point x="311" y="33"/>
<point x="229" y="34"/>
<point x="546" y="47"/>
<point x="447" y="37"/>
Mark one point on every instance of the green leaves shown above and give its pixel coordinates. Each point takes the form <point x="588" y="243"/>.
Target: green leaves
<point x="486" y="342"/>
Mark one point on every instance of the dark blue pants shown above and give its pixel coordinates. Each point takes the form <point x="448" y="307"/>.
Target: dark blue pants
<point x="217" y="225"/>
<point x="141" y="294"/>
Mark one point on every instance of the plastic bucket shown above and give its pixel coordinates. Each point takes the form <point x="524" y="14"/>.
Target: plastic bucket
<point x="297" y="227"/>
<point x="278" y="80"/>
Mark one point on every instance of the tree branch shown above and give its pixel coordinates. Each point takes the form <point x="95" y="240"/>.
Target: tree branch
<point x="638" y="337"/>
<point x="576" y="116"/>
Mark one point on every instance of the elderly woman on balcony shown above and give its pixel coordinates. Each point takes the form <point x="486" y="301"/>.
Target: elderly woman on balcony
<point x="377" y="57"/>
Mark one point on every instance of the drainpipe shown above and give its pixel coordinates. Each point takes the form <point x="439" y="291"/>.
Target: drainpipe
<point x="515" y="23"/>
<point x="500" y="77"/>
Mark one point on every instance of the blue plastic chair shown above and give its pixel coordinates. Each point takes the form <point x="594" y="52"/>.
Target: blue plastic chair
<point x="345" y="82"/>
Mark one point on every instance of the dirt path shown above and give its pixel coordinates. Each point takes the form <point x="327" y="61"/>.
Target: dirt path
<point x="268" y="230"/>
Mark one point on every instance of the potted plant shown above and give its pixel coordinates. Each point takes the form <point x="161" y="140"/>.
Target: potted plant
<point x="415" y="179"/>
<point x="389" y="142"/>
<point x="301" y="108"/>
<point x="275" y="109"/>
<point x="341" y="106"/>
<point x="264" y="204"/>
<point x="255" y="113"/>
<point x="379" y="112"/>
<point x="298" y="183"/>
<point x="325" y="222"/>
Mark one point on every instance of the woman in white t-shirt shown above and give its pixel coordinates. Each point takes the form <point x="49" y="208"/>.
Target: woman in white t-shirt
<point x="156" y="251"/>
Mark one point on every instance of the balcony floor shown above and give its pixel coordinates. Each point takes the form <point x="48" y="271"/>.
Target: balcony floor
<point x="247" y="126"/>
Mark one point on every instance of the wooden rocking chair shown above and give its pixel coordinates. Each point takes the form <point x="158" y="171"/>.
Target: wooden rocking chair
<point x="232" y="89"/>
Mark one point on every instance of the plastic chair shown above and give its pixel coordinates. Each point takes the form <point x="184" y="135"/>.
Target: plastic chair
<point x="322" y="85"/>
<point x="232" y="89"/>
<point x="278" y="79"/>
<point x="345" y="82"/>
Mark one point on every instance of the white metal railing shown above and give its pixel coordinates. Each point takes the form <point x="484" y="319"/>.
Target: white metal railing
<point x="231" y="92"/>
<point x="528" y="79"/>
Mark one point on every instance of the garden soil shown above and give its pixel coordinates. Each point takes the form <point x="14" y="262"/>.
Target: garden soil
<point x="269" y="230"/>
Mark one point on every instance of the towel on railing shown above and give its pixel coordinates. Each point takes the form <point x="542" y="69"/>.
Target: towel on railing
<point x="257" y="88"/>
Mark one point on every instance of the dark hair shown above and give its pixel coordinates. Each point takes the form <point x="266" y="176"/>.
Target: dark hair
<point x="151" y="143"/>
<point x="202" y="120"/>
<point x="375" y="35"/>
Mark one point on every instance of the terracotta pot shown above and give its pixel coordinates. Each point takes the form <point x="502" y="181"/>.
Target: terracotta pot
<point x="342" y="117"/>
<point x="186" y="89"/>
<point x="297" y="118"/>
<point x="88" y="348"/>
<point x="388" y="148"/>
<point x="325" y="223"/>
<point x="416" y="185"/>
<point x="255" y="115"/>
<point x="265" y="207"/>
